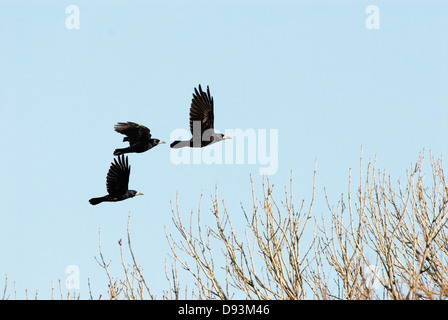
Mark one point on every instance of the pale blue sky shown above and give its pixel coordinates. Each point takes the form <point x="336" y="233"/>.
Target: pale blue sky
<point x="309" y="69"/>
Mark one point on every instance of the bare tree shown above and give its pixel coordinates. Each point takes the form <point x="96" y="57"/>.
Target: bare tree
<point x="134" y="285"/>
<point x="394" y="236"/>
<point x="267" y="262"/>
<point x="387" y="242"/>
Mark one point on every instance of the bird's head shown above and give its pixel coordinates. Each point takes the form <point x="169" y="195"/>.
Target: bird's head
<point x="134" y="193"/>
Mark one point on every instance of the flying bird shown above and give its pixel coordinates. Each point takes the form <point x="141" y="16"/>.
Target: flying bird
<point x="138" y="136"/>
<point x="201" y="122"/>
<point x="117" y="182"/>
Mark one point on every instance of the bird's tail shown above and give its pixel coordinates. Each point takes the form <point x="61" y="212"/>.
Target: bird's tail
<point x="118" y="152"/>
<point x="95" y="201"/>
<point x="180" y="144"/>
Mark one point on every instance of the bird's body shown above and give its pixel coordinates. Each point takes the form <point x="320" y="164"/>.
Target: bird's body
<point x="138" y="136"/>
<point x="117" y="182"/>
<point x="201" y="122"/>
<point x="114" y="198"/>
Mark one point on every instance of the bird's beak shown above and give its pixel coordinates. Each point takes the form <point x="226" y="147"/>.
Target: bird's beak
<point x="139" y="194"/>
<point x="226" y="137"/>
<point x="160" y="142"/>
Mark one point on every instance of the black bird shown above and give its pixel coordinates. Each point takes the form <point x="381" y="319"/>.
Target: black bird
<point x="139" y="138"/>
<point x="201" y="122"/>
<point x="117" y="182"/>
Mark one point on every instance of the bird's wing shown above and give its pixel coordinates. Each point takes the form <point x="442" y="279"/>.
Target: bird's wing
<point x="201" y="110"/>
<point x="135" y="132"/>
<point x="118" y="176"/>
